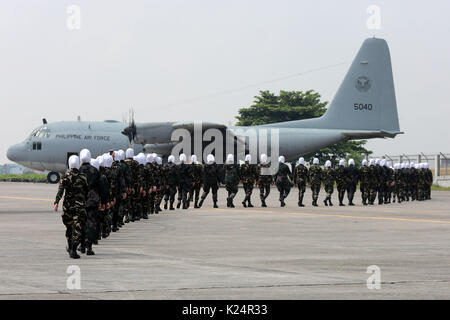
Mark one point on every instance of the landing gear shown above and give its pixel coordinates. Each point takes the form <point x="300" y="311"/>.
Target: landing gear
<point x="53" y="177"/>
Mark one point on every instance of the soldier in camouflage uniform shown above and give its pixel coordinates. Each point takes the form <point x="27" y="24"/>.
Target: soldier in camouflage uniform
<point x="301" y="179"/>
<point x="315" y="178"/>
<point x="407" y="181"/>
<point x="76" y="189"/>
<point x="231" y="179"/>
<point x="389" y="176"/>
<point x="395" y="177"/>
<point x="328" y="178"/>
<point x="151" y="183"/>
<point x="143" y="199"/>
<point x="172" y="182"/>
<point x="248" y="173"/>
<point x="341" y="181"/>
<point x="264" y="179"/>
<point x="428" y="181"/>
<point x="211" y="180"/>
<point x="381" y="181"/>
<point x="136" y="185"/>
<point x="95" y="201"/>
<point x="104" y="222"/>
<point x="125" y="204"/>
<point x="162" y="182"/>
<point x="121" y="191"/>
<point x="283" y="180"/>
<point x="196" y="169"/>
<point x="364" y="185"/>
<point x="352" y="177"/>
<point x="413" y="181"/>
<point x="420" y="182"/>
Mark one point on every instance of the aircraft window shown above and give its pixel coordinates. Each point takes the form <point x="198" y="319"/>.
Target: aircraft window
<point x="37" y="146"/>
<point x="43" y="132"/>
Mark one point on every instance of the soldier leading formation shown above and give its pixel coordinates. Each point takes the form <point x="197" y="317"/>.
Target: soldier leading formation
<point x="101" y="195"/>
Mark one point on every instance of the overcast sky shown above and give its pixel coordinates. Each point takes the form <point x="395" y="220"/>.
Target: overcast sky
<point x="158" y="56"/>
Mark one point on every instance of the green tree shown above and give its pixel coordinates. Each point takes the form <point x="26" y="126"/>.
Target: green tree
<point x="297" y="105"/>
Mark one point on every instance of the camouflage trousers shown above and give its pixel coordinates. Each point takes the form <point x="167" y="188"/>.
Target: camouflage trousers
<point x="105" y="221"/>
<point x="341" y="187"/>
<point x="158" y="197"/>
<point x="183" y="191"/>
<point x="315" y="188"/>
<point x="151" y="200"/>
<point x="248" y="189"/>
<point x="329" y="189"/>
<point x="301" y="191"/>
<point x="169" y="194"/>
<point x="89" y="228"/>
<point x="264" y="190"/>
<point x="213" y="187"/>
<point x="74" y="219"/>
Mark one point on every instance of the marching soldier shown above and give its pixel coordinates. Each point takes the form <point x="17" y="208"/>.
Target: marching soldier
<point x="248" y="173"/>
<point x="328" y="177"/>
<point x="300" y="179"/>
<point x="197" y="180"/>
<point x="352" y="178"/>
<point x="134" y="185"/>
<point x="76" y="188"/>
<point x="172" y="181"/>
<point x="365" y="182"/>
<point x="121" y="191"/>
<point x="264" y="179"/>
<point x="231" y="179"/>
<point x="315" y="178"/>
<point x="373" y="181"/>
<point x="341" y="181"/>
<point x="184" y="182"/>
<point x="210" y="180"/>
<point x="162" y="174"/>
<point x="283" y="178"/>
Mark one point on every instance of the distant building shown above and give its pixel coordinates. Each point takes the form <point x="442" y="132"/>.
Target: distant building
<point x="12" y="169"/>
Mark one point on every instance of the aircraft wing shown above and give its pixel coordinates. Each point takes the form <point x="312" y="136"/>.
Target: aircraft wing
<point x="363" y="134"/>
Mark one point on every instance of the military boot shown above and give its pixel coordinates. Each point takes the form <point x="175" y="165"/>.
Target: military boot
<point x="145" y="215"/>
<point x="314" y="203"/>
<point x="196" y="204"/>
<point x="171" y="207"/>
<point x="178" y="204"/>
<point x="249" y="204"/>
<point x="326" y="202"/>
<point x="329" y="202"/>
<point x="69" y="246"/>
<point x="300" y="204"/>
<point x="215" y="204"/>
<point x="165" y="205"/>
<point x="89" y="251"/>
<point x="228" y="202"/>
<point x="73" y="251"/>
<point x="82" y="248"/>
<point x="263" y="203"/>
<point x="200" y="203"/>
<point x="282" y="203"/>
<point x="244" y="203"/>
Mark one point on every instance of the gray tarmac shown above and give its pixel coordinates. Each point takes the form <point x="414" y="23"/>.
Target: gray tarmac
<point x="240" y="253"/>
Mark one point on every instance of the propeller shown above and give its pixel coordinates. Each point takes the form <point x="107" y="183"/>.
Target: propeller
<point x="130" y="131"/>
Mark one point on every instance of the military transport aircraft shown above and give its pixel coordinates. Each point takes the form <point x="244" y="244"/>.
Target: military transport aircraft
<point x="364" y="107"/>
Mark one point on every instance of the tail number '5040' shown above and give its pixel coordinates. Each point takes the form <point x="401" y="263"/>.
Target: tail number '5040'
<point x="362" y="106"/>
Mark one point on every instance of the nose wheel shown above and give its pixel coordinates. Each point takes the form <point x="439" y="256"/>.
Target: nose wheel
<point x="53" y="177"/>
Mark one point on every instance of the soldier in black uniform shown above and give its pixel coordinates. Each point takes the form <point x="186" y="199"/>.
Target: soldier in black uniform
<point x="161" y="184"/>
<point x="341" y="181"/>
<point x="121" y="191"/>
<point x="151" y="183"/>
<point x="125" y="204"/>
<point x="103" y="216"/>
<point x="76" y="189"/>
<point x="231" y="179"/>
<point x="211" y="180"/>
<point x="248" y="173"/>
<point x="264" y="179"/>
<point x="143" y="200"/>
<point x="381" y="185"/>
<point x="352" y="177"/>
<point x="172" y="182"/>
<point x="283" y="179"/>
<point x="93" y="203"/>
<point x="184" y="182"/>
<point x="300" y="179"/>
<point x="196" y="169"/>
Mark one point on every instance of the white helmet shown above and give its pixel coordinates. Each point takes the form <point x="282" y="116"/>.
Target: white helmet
<point x="364" y="162"/>
<point x="230" y="158"/>
<point x="107" y="161"/>
<point x="371" y="162"/>
<point x="248" y="158"/>
<point x="301" y="160"/>
<point x="85" y="156"/>
<point x="377" y="161"/>
<point x="351" y="162"/>
<point x="141" y="158"/>
<point x="182" y="158"/>
<point x="100" y="161"/>
<point x="150" y="158"/>
<point x="315" y="161"/>
<point x="210" y="158"/>
<point x="382" y="162"/>
<point x="129" y="153"/>
<point x="281" y="159"/>
<point x="193" y="158"/>
<point x="94" y="163"/>
<point x="121" y="155"/>
<point x="74" y="162"/>
<point x="328" y="163"/>
<point x="263" y="158"/>
<point x="342" y="162"/>
<point x="427" y="165"/>
<point x="158" y="160"/>
<point x="416" y="166"/>
<point x="171" y="159"/>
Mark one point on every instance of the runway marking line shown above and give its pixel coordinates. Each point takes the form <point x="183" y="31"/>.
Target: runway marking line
<point x="342" y="216"/>
<point x="281" y="212"/>
<point x="24" y="198"/>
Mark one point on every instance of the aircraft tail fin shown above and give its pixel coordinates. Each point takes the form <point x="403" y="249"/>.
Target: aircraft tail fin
<point x="366" y="100"/>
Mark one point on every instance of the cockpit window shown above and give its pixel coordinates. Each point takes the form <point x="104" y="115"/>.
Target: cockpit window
<point x="43" y="132"/>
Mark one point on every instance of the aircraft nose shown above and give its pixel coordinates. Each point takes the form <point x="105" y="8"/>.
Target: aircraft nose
<point x="14" y="152"/>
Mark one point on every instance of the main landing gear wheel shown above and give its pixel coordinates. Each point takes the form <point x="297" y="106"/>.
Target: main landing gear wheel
<point x="53" y="177"/>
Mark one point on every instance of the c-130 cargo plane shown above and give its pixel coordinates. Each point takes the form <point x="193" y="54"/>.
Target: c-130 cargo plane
<point x="364" y="107"/>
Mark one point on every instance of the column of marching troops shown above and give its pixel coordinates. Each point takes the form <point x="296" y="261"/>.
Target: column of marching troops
<point x="102" y="194"/>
